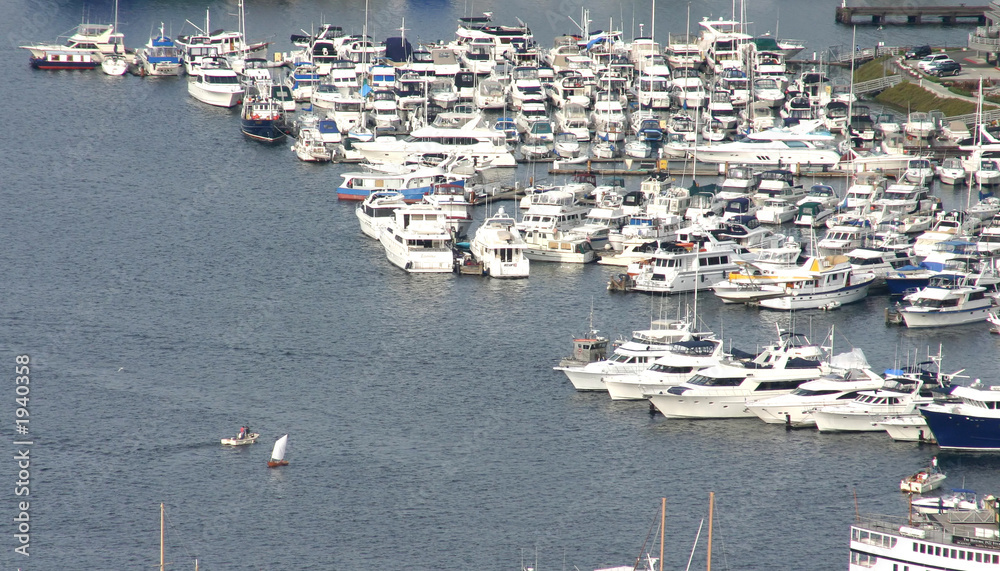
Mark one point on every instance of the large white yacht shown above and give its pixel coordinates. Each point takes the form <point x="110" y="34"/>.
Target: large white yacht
<point x="684" y="359"/>
<point x="631" y="357"/>
<point x="375" y="212"/>
<point x="216" y="84"/>
<point x="418" y="240"/>
<point x="484" y="146"/>
<point x="899" y="396"/>
<point x="798" y="145"/>
<point x="723" y="390"/>
<point x="849" y="375"/>
<point x="698" y="258"/>
<point x="499" y="246"/>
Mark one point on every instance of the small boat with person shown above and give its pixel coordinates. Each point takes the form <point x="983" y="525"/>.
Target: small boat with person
<point x="925" y="480"/>
<point x="243" y="437"/>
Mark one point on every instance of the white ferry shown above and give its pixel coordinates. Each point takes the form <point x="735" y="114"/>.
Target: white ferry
<point x="957" y="541"/>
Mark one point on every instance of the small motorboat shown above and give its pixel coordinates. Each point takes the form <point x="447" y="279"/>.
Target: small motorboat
<point x="994" y="320"/>
<point x="278" y="453"/>
<point x="244" y="437"/>
<point x="958" y="500"/>
<point x="830" y="306"/>
<point x="923" y="481"/>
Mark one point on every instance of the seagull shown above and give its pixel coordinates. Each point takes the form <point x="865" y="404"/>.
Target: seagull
<point x="120" y="369"/>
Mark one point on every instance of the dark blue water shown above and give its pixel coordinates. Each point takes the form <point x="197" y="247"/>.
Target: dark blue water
<point x="172" y="281"/>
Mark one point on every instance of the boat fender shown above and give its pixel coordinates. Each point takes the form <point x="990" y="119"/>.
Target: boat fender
<point x="409" y="265"/>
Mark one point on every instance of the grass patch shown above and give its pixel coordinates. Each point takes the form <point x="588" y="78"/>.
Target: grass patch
<point x="910" y="96"/>
<point x="875" y="69"/>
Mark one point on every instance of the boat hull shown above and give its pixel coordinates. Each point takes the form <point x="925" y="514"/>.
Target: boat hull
<point x="701" y="406"/>
<point x="216" y="98"/>
<point x="849" y="294"/>
<point x="963" y="432"/>
<point x="917" y="319"/>
<point x="241" y="441"/>
<point x="262" y="130"/>
<point x="48" y="65"/>
<point x="276" y="463"/>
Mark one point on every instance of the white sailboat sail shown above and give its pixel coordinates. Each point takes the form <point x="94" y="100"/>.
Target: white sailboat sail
<point x="279" y="448"/>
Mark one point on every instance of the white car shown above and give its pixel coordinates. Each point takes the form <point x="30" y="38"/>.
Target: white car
<point x="923" y="64"/>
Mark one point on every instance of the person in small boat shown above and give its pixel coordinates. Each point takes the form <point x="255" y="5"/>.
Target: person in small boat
<point x="242" y="434"/>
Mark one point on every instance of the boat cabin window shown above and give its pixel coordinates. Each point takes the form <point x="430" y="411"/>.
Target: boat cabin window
<point x="702" y="380"/>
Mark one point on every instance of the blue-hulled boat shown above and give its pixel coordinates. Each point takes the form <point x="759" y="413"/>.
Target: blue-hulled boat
<point x="971" y="424"/>
<point x="263" y="119"/>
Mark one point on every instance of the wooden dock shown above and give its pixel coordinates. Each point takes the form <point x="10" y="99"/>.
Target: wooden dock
<point x="878" y="15"/>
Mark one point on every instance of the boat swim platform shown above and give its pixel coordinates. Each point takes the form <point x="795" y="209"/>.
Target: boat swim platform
<point x="911" y="15"/>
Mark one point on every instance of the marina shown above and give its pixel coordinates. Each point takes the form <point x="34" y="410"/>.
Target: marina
<point x="213" y="281"/>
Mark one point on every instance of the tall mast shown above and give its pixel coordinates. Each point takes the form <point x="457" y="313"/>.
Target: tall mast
<point x="663" y="521"/>
<point x="163" y="564"/>
<point x="711" y="505"/>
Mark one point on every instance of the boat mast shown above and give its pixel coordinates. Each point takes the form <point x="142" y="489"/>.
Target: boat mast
<point x="163" y="564"/>
<point x="663" y="521"/>
<point x="711" y="505"/>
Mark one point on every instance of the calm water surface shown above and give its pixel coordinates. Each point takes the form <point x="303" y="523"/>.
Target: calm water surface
<point x="172" y="281"/>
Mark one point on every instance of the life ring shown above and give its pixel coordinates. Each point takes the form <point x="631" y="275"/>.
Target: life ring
<point x="255" y="116"/>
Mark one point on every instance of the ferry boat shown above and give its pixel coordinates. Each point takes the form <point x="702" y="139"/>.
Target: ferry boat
<point x="973" y="423"/>
<point x="417" y="239"/>
<point x="965" y="540"/>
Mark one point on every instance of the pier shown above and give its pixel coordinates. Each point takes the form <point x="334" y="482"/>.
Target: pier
<point x="912" y="14"/>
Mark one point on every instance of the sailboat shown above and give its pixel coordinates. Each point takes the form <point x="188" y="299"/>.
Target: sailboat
<point x="115" y="63"/>
<point x="278" y="453"/>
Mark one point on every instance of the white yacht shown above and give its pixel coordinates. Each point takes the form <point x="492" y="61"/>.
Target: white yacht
<point x="798" y="145"/>
<point x="376" y="211"/>
<point x="899" y="396"/>
<point x="216" y="84"/>
<point x="698" y="258"/>
<point x="632" y="356"/>
<point x="946" y="301"/>
<point x="498" y="245"/>
<point x="818" y="283"/>
<point x="684" y="359"/>
<point x="417" y="239"/>
<point x="724" y="390"/>
<point x="486" y="147"/>
<point x="160" y="56"/>
<point x="849" y="376"/>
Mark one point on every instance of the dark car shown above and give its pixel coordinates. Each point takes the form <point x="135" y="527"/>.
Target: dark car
<point x="944" y="67"/>
<point x="918" y="52"/>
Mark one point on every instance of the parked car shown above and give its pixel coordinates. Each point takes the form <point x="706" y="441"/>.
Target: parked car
<point x="918" y="52"/>
<point x="944" y="67"/>
<point x="925" y="62"/>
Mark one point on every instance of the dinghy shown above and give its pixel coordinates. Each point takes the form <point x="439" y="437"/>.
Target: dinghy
<point x="278" y="454"/>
